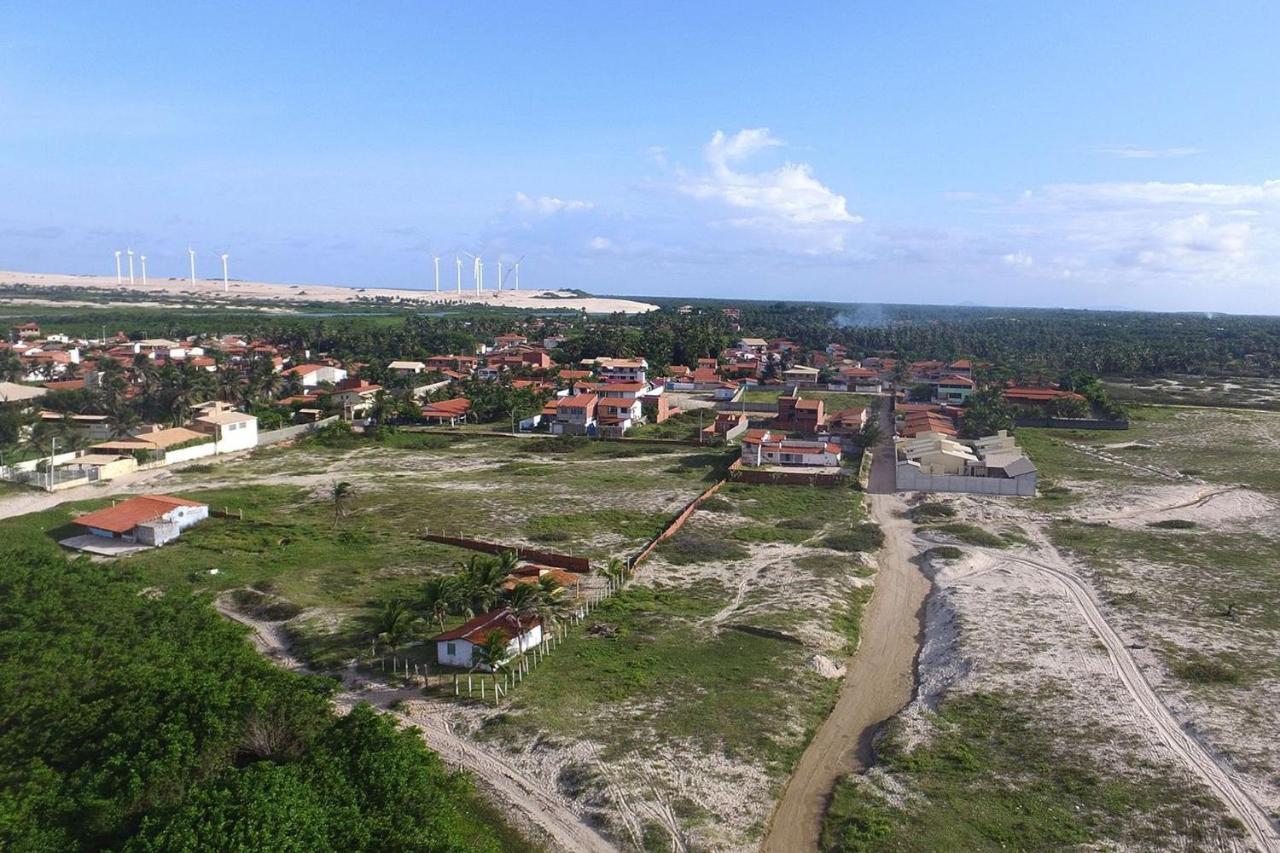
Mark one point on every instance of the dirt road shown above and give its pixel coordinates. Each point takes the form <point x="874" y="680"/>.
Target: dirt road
<point x="880" y="681"/>
<point x="538" y="805"/>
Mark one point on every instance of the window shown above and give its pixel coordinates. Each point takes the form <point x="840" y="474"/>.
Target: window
<point x="451" y="649"/>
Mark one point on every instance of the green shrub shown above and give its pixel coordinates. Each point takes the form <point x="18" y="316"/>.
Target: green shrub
<point x="690" y="546"/>
<point x="971" y="535"/>
<point x="1201" y="669"/>
<point x="945" y="552"/>
<point x="1173" y="524"/>
<point x="862" y="537"/>
<point x="715" y="504"/>
<point x="932" y="511"/>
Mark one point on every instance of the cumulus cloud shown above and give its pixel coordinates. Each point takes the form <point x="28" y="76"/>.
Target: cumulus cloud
<point x="547" y="205"/>
<point x="787" y="200"/>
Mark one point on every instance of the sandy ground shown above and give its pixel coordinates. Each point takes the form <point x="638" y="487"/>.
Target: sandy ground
<point x="206" y="291"/>
<point x="879" y="682"/>
<point x="1018" y="620"/>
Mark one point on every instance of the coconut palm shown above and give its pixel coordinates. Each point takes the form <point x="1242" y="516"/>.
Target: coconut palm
<point x="523" y="600"/>
<point x="437" y="599"/>
<point x="479" y="582"/>
<point x="341" y="492"/>
<point x="396" y="623"/>
<point x="491" y="652"/>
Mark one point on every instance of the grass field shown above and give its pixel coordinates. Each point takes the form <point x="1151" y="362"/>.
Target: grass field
<point x="705" y="661"/>
<point x="834" y="400"/>
<point x="593" y="499"/>
<point x="993" y="779"/>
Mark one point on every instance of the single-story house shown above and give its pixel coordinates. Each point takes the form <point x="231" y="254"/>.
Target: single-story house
<point x="311" y="375"/>
<point x="453" y="411"/>
<point x="406" y="368"/>
<point x="760" y="447"/>
<point x="231" y="430"/>
<point x="458" y="646"/>
<point x="147" y="519"/>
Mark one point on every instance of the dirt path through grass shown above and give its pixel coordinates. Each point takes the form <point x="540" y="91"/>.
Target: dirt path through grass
<point x="1215" y="772"/>
<point x="880" y="681"/>
<point x="530" y="797"/>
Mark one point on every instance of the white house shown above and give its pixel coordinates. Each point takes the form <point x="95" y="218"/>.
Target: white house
<point x="406" y="368"/>
<point x="458" y="647"/>
<point x="231" y="430"/>
<point x="147" y="519"/>
<point x="620" y="406"/>
<point x="312" y="375"/>
<point x="623" y="369"/>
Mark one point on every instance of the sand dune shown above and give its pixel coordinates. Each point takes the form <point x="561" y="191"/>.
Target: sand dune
<point x="209" y="291"/>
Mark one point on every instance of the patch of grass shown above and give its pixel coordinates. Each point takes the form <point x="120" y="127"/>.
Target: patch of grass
<point x="769" y="533"/>
<point x="849" y="619"/>
<point x="863" y="537"/>
<point x="692" y="546"/>
<point x="945" y="552"/>
<point x="931" y="511"/>
<point x="827" y="565"/>
<point x="579" y="526"/>
<point x="684" y="426"/>
<point x="970" y="534"/>
<point x="717" y="504"/>
<point x="1202" y="669"/>
<point x="991" y="778"/>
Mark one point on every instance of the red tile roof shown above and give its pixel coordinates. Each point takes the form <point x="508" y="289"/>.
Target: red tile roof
<point x="456" y="407"/>
<point x="127" y="515"/>
<point x="476" y="629"/>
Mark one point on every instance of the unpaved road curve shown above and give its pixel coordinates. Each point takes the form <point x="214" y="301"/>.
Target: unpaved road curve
<point x="537" y="805"/>
<point x="1216" y="774"/>
<point x="880" y="681"/>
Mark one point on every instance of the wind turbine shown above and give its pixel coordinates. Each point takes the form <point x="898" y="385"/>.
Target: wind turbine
<point x="130" y="253"/>
<point x="435" y="259"/>
<point x="477" y="271"/>
<point x="499" y="272"/>
<point x="119" y="280"/>
<point x="224" y="271"/>
<point x="459" y="260"/>
<point x="144" y="270"/>
<point x="515" y="268"/>
<point x="191" y="253"/>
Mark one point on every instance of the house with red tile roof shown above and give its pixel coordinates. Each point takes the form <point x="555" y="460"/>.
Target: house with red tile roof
<point x="147" y="519"/>
<point x="576" y="415"/>
<point x="452" y="411"/>
<point x="761" y="448"/>
<point x="311" y="375"/>
<point x="953" y="389"/>
<point x="457" y="647"/>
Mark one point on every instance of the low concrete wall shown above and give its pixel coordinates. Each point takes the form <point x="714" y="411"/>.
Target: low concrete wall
<point x="759" y="408"/>
<point x="1071" y="423"/>
<point x="533" y="555"/>
<point x="909" y="479"/>
<point x="290" y="432"/>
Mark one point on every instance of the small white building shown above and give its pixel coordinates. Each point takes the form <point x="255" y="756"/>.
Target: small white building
<point x="231" y="430"/>
<point x="406" y="368"/>
<point x="311" y="375"/>
<point x="147" y="519"/>
<point x="761" y="448"/>
<point x="458" y="647"/>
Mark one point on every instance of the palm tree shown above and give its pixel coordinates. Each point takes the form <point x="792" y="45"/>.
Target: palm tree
<point x="479" y="581"/>
<point x="507" y="562"/>
<point x="523" y="600"/>
<point x="396" y="623"/>
<point x="341" y="492"/>
<point x="437" y="599"/>
<point x="123" y="421"/>
<point x="491" y="652"/>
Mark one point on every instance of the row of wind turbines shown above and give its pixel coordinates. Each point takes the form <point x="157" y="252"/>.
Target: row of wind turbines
<point x="191" y="253"/>
<point x="477" y="272"/>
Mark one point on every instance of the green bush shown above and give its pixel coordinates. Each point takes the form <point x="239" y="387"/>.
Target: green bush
<point x="862" y="537"/>
<point x="971" y="535"/>
<point x="1173" y="524"/>
<point x="715" y="504"/>
<point x="690" y="546"/>
<point x="932" y="511"/>
<point x="1201" y="669"/>
<point x="945" y="552"/>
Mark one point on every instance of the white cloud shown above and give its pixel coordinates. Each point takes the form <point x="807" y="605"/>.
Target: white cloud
<point x="1161" y="193"/>
<point x="548" y="205"/>
<point x="787" y="200"/>
<point x="1137" y="152"/>
<point x="1018" y="259"/>
<point x="601" y="244"/>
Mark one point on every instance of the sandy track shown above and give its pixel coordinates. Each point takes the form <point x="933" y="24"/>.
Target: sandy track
<point x="880" y="681"/>
<point x="1215" y="773"/>
<point x="539" y="807"/>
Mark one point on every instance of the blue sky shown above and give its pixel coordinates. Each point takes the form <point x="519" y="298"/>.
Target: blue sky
<point x="1078" y="154"/>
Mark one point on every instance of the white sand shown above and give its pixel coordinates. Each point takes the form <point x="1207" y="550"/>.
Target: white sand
<point x="206" y="291"/>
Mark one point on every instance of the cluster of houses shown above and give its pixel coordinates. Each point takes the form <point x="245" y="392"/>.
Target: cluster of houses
<point x="932" y="461"/>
